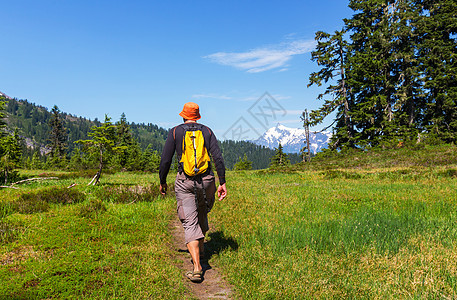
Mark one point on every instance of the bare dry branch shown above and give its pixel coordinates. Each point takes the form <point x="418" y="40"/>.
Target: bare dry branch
<point x="34" y="179"/>
<point x="93" y="180"/>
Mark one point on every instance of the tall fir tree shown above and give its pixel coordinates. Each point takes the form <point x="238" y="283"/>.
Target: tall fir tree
<point x="57" y="137"/>
<point x="372" y="77"/>
<point x="129" y="155"/>
<point x="331" y="55"/>
<point x="409" y="100"/>
<point x="437" y="30"/>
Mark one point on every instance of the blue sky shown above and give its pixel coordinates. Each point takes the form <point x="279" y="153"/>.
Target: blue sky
<point x="147" y="58"/>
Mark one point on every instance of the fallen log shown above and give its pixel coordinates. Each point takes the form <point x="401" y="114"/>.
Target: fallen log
<point x="33" y="179"/>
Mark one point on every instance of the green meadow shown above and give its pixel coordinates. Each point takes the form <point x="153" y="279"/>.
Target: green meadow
<point x="104" y="242"/>
<point x="363" y="227"/>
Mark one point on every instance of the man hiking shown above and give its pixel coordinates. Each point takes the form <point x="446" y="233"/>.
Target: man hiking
<point x="195" y="184"/>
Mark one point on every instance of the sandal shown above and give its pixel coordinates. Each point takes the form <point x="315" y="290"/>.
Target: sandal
<point x="195" y="276"/>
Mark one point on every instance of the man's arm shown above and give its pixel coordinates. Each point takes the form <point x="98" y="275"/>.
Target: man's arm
<point x="216" y="154"/>
<point x="165" y="161"/>
<point x="220" y="166"/>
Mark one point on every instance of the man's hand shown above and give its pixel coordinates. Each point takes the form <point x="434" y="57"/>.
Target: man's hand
<point x="163" y="188"/>
<point x="221" y="192"/>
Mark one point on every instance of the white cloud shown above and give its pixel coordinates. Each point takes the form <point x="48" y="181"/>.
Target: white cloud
<point x="211" y="96"/>
<point x="263" y="59"/>
<point x="294" y="112"/>
<point x="255" y="98"/>
<point x="293" y="121"/>
<point x="280" y="97"/>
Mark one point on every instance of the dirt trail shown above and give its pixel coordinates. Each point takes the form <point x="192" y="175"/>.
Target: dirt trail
<point x="213" y="285"/>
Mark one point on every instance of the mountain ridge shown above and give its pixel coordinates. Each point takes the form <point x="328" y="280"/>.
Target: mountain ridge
<point x="293" y="139"/>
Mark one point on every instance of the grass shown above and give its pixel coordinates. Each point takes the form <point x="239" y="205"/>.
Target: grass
<point x="91" y="248"/>
<point x="341" y="233"/>
<point x="423" y="156"/>
<point x="360" y="225"/>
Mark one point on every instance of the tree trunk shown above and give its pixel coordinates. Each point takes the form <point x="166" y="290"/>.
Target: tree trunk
<point x="347" y="121"/>
<point x="100" y="167"/>
<point x="307" y="136"/>
<point x="96" y="178"/>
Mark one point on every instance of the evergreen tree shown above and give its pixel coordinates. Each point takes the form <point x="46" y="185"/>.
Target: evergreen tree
<point x="372" y="76"/>
<point x="409" y="100"/>
<point x="11" y="152"/>
<point x="243" y="163"/>
<point x="331" y="54"/>
<point x="2" y="118"/>
<point x="57" y="138"/>
<point x="76" y="160"/>
<point x="124" y="138"/>
<point x="150" y="160"/>
<point x="437" y="29"/>
<point x="27" y="163"/>
<point x="129" y="155"/>
<point x="134" y="157"/>
<point x="280" y="159"/>
<point x="397" y="69"/>
<point x="102" y="143"/>
<point x="36" y="161"/>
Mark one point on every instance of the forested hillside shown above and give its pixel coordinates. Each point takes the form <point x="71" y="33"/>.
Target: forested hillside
<point x="33" y="121"/>
<point x="260" y="156"/>
<point x="40" y="140"/>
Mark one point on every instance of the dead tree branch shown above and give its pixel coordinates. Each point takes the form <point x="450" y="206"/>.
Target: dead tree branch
<point x="34" y="179"/>
<point x="8" y="187"/>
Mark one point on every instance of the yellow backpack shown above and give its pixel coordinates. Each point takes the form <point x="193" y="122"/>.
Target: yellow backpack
<point x="195" y="158"/>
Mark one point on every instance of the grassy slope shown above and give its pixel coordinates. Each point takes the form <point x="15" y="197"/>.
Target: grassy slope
<point x="338" y="230"/>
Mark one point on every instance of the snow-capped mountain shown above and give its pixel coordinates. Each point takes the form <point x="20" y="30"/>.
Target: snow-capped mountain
<point x="293" y="139"/>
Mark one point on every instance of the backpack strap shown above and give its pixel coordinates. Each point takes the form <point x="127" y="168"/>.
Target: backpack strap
<point x="174" y="130"/>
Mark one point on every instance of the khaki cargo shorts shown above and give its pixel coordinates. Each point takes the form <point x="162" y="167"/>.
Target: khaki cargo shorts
<point x="194" y="215"/>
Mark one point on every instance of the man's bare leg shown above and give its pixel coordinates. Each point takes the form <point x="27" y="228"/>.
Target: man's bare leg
<point x="201" y="246"/>
<point x="194" y="250"/>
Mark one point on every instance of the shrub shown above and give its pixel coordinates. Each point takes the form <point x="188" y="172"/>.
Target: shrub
<point x="7" y="232"/>
<point x="61" y="195"/>
<point x="332" y="174"/>
<point x="38" y="201"/>
<point x="29" y="204"/>
<point x="129" y="194"/>
<point x="448" y="173"/>
<point x="93" y="208"/>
